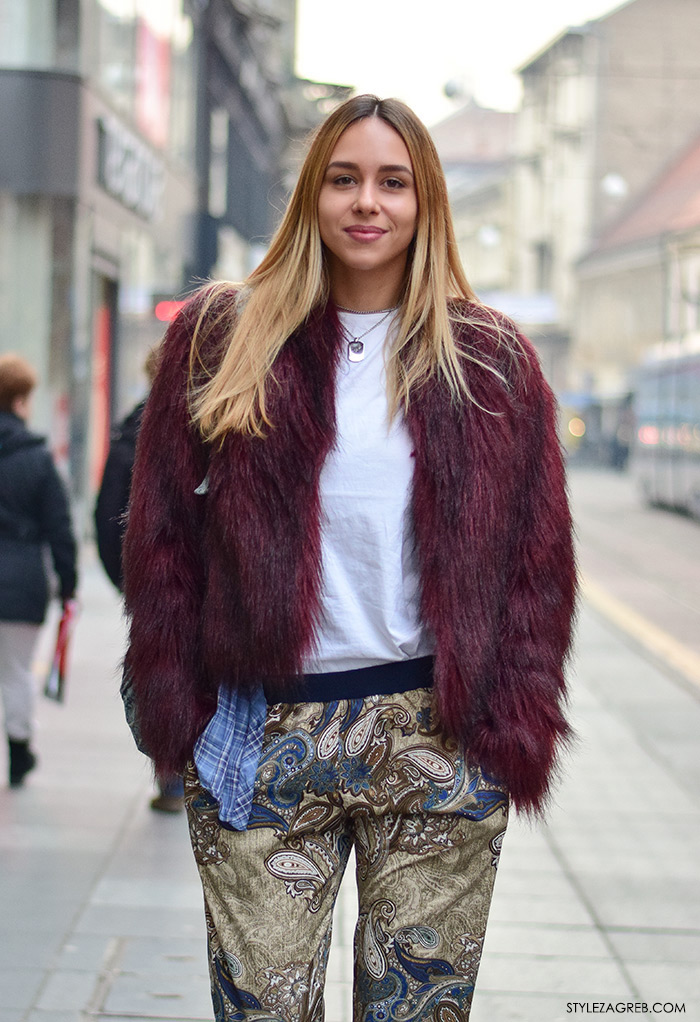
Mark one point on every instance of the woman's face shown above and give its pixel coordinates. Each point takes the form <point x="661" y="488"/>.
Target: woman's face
<point x="367" y="206"/>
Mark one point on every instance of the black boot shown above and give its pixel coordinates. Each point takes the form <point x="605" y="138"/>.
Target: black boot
<point x="22" y="760"/>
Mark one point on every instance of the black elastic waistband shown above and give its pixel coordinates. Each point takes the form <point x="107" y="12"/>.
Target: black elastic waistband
<point x="380" y="679"/>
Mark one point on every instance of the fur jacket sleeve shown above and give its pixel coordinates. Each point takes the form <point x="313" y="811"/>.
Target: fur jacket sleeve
<point x="162" y="562"/>
<point x="503" y="639"/>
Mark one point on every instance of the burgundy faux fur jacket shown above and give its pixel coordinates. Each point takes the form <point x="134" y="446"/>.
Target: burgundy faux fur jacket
<point x="224" y="587"/>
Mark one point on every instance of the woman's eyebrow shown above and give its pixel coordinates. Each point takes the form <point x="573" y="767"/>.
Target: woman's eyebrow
<point x="391" y="168"/>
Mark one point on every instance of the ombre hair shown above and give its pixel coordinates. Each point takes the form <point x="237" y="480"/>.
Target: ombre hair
<point x="292" y="281"/>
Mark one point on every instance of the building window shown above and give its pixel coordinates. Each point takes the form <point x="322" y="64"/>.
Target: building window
<point x="543" y="266"/>
<point x="218" y="162"/>
<point x="28" y="34"/>
<point x="143" y="57"/>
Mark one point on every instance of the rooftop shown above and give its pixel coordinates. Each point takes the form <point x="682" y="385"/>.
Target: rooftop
<point x="670" y="205"/>
<point x="474" y="135"/>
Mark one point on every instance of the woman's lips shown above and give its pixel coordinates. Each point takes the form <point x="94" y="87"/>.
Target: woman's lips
<point x="359" y="233"/>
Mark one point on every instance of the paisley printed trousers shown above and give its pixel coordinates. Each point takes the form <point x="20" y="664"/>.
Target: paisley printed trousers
<point x="427" y="829"/>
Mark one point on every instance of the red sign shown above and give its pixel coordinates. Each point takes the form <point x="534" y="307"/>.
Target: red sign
<point x="166" y="312"/>
<point x="152" y="84"/>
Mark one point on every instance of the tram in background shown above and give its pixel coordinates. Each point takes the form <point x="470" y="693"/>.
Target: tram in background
<point x="666" y="457"/>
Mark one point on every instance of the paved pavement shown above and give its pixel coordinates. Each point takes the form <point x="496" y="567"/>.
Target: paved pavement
<point x="100" y="907"/>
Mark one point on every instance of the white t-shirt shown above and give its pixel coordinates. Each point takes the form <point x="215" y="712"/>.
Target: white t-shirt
<point x="370" y="592"/>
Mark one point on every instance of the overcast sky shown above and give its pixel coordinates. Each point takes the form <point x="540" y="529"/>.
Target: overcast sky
<point x="413" y="48"/>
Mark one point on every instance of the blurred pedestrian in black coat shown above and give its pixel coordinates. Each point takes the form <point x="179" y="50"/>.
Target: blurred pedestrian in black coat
<point x="34" y="516"/>
<point x="113" y="498"/>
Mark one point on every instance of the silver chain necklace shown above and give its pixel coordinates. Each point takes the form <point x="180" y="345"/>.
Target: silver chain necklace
<point x="356" y="348"/>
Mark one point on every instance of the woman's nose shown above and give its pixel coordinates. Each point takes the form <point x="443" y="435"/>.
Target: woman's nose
<point x="366" y="200"/>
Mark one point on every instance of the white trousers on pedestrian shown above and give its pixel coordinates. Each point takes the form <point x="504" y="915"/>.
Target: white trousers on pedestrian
<point x="17" y="644"/>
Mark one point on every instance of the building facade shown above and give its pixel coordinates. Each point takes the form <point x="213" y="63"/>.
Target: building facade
<point x="475" y="145"/>
<point x="605" y="107"/>
<point x="97" y="192"/>
<point x="639" y="286"/>
<point x="144" y="151"/>
<point x="639" y="293"/>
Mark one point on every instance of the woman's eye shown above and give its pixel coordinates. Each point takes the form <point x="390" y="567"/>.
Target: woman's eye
<point x="343" y="179"/>
<point x="394" y="182"/>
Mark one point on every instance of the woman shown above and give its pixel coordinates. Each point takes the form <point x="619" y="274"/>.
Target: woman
<point x="350" y="579"/>
<point x="34" y="515"/>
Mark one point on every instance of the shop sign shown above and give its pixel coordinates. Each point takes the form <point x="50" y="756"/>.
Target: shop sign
<point x="128" y="170"/>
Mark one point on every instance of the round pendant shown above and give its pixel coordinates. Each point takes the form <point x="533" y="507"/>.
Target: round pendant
<point x="356" y="351"/>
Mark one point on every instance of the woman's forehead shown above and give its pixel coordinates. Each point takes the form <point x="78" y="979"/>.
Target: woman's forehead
<point x="371" y="139"/>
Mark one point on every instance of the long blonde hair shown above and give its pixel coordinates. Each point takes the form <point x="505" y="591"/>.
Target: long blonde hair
<point x="292" y="281"/>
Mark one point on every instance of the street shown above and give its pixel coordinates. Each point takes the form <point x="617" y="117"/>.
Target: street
<point x="101" y="907"/>
<point x="648" y="558"/>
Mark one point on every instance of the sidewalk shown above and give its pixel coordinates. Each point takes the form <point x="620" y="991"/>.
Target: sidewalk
<point x="603" y="904"/>
<point x="101" y="913"/>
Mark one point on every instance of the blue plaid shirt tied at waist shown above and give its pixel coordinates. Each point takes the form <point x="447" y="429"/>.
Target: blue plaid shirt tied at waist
<point x="227" y="752"/>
